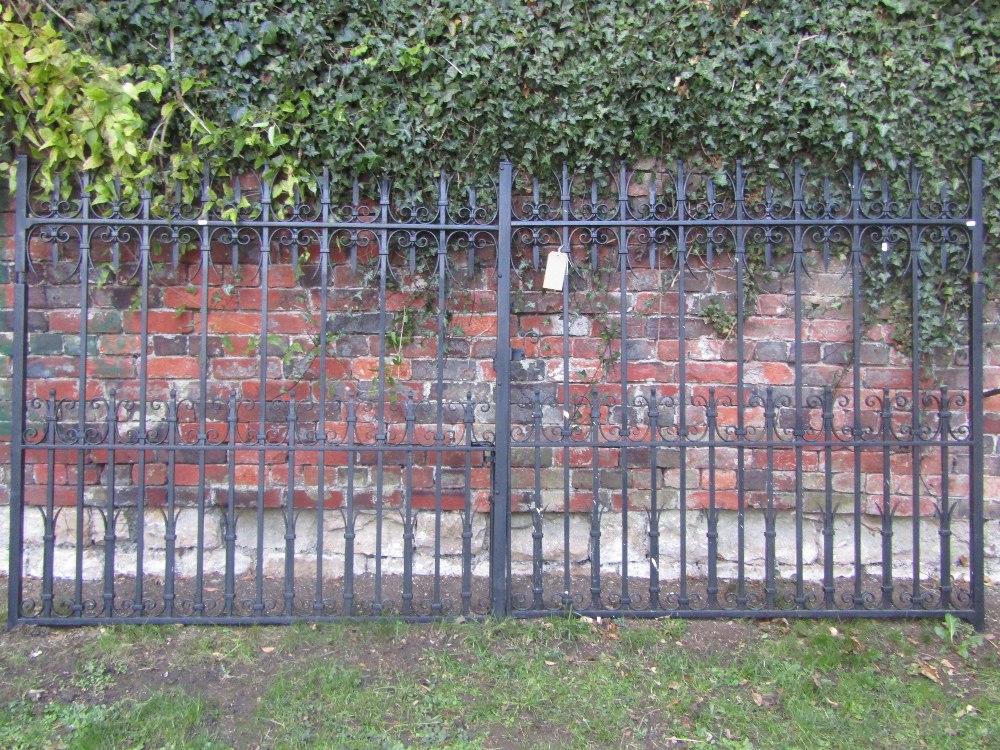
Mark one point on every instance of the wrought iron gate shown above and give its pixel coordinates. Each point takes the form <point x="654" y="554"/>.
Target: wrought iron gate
<point x="232" y="405"/>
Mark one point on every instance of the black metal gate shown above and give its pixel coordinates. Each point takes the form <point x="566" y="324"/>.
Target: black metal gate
<point x="790" y="464"/>
<point x="234" y="405"/>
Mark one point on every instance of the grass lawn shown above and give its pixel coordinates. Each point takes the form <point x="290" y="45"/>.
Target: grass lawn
<point x="561" y="683"/>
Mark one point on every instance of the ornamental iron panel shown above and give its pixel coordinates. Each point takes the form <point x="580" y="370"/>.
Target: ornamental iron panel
<point x="237" y="403"/>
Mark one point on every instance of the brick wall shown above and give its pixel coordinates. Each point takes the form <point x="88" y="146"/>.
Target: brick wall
<point x="233" y="341"/>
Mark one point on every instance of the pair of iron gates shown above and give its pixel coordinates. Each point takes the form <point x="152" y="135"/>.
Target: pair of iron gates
<point x="236" y="406"/>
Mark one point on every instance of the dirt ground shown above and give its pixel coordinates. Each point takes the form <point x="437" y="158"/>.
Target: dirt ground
<point x="101" y="664"/>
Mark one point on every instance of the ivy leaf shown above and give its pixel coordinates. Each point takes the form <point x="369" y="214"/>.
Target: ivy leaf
<point x="900" y="6"/>
<point x="131" y="90"/>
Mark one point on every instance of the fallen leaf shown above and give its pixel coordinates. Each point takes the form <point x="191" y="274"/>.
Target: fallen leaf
<point x="970" y="709"/>
<point x="550" y="664"/>
<point x="763" y="700"/>
<point x="834" y="632"/>
<point x="267" y="649"/>
<point x="928" y="671"/>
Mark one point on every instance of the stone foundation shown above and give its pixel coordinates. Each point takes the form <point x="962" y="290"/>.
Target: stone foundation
<point x="636" y="544"/>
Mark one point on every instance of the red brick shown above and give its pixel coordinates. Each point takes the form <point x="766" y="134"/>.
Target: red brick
<point x="173" y="367"/>
<point x="711" y="372"/>
<point x="887" y="377"/>
<point x="118" y="345"/>
<point x="426" y="500"/>
<point x="156" y="474"/>
<point x="780" y="329"/>
<point x="281" y="277"/>
<point x="111" y="367"/>
<point x="287" y="322"/>
<point x="250" y="389"/>
<point x="784" y="459"/>
<point x="64" y="321"/>
<point x="187" y="474"/>
<point x="305" y="498"/>
<point x="422" y="347"/>
<point x="37" y="494"/>
<point x="366" y="369"/>
<point x="655" y="372"/>
<point x="98" y="321"/>
<point x="234" y="322"/>
<point x="51" y="367"/>
<point x="769" y="373"/>
<point x="474" y="325"/>
<point x="277" y="299"/>
<point x="247" y="497"/>
<point x="724" y="500"/>
<point x="178" y="321"/>
<point x="654" y="303"/>
<point x="189" y="299"/>
<point x="484" y="301"/>
<point x="830" y="330"/>
<point x="242" y="368"/>
<point x="336" y="369"/>
<point x="552" y="346"/>
<point x="668" y="351"/>
<point x="773" y="304"/>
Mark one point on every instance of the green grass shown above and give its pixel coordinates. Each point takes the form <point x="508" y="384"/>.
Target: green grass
<point x="559" y="683"/>
<point x="169" y="719"/>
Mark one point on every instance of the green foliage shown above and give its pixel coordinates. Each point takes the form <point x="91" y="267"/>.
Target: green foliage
<point x="406" y="87"/>
<point x="959" y="635"/>
<point x="362" y="86"/>
<point x="67" y="106"/>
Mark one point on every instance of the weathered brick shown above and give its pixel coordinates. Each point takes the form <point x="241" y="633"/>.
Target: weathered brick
<point x="355" y="323"/>
<point x="51" y="367"/>
<point x="119" y="368"/>
<point x="473" y="325"/>
<point x="771" y="351"/>
<point x="159" y="321"/>
<point x="173" y="367"/>
<point x="119" y="345"/>
<point x="711" y="372"/>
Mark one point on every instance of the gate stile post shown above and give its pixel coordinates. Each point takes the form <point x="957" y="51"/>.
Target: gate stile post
<point x="976" y="486"/>
<point x="19" y="353"/>
<point x="500" y="513"/>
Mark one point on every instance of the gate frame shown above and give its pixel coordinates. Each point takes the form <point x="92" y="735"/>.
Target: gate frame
<point x="500" y="520"/>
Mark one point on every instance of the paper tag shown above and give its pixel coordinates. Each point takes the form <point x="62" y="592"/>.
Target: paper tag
<point x="556" y="266"/>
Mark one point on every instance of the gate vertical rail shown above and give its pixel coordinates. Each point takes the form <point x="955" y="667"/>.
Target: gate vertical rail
<point x="976" y="466"/>
<point x="18" y="352"/>
<point x="500" y="513"/>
